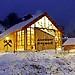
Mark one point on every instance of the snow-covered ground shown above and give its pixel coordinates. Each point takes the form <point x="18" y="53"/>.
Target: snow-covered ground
<point x="37" y="63"/>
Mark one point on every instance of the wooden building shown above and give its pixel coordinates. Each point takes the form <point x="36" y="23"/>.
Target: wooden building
<point x="38" y="33"/>
<point x="69" y="44"/>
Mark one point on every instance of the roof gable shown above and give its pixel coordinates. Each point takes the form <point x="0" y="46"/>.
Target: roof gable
<point x="55" y="24"/>
<point x="42" y="15"/>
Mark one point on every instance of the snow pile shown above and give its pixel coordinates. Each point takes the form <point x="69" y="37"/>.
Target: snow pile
<point x="36" y="63"/>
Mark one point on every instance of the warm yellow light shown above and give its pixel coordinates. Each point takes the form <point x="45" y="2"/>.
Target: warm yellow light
<point x="56" y="37"/>
<point x="58" y="48"/>
<point x="7" y="38"/>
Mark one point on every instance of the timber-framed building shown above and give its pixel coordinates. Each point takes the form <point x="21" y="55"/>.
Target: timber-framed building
<point x="38" y="33"/>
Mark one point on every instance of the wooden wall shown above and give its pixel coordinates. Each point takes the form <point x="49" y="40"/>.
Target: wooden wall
<point x="2" y="44"/>
<point x="58" y="40"/>
<point x="43" y="40"/>
<point x="69" y="47"/>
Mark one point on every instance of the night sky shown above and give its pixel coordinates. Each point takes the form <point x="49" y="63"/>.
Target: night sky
<point x="62" y="11"/>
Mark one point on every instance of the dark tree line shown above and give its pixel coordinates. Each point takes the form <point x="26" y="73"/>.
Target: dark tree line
<point x="10" y="20"/>
<point x="70" y="34"/>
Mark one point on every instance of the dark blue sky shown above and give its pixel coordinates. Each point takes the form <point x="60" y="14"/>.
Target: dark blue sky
<point x="62" y="11"/>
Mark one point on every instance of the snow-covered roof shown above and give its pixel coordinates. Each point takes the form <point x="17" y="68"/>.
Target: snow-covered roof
<point x="69" y="41"/>
<point x="19" y="25"/>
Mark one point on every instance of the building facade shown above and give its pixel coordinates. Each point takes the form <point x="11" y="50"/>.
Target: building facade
<point x="69" y="44"/>
<point x="38" y="33"/>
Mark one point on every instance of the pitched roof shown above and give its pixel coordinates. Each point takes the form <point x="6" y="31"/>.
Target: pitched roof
<point x="69" y="41"/>
<point x="29" y="22"/>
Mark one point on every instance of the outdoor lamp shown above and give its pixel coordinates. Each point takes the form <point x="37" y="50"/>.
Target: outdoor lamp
<point x="7" y="38"/>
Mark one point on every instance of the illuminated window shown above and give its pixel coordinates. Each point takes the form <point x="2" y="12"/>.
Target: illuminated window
<point x="20" y="40"/>
<point x="32" y="26"/>
<point x="58" y="40"/>
<point x="30" y="37"/>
